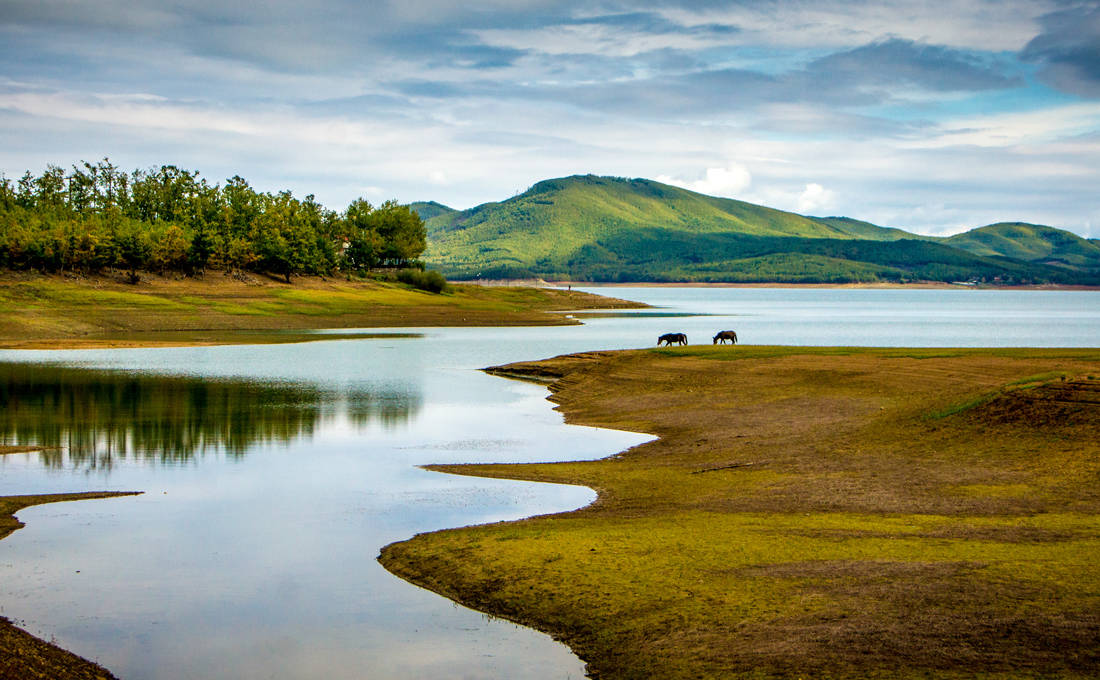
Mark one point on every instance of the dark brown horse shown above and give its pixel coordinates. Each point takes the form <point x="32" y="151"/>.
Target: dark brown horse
<point x="670" y="338"/>
<point x="725" y="335"/>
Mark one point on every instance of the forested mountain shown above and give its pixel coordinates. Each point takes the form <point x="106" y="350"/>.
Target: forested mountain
<point x="429" y="209"/>
<point x="590" y="228"/>
<point x="582" y="206"/>
<point x="170" y="219"/>
<point x="1031" y="243"/>
<point x="873" y="232"/>
<point x="584" y="228"/>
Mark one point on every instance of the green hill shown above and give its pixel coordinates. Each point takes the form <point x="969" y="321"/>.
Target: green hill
<point x="555" y="217"/>
<point x="429" y="209"/>
<point x="1030" y="243"/>
<point x="866" y="230"/>
<point x="590" y="228"/>
<point x="656" y="254"/>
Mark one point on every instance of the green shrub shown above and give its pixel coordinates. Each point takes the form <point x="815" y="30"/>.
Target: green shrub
<point x="430" y="280"/>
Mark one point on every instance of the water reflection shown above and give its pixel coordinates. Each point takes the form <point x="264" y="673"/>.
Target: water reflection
<point x="90" y="419"/>
<point x="391" y="406"/>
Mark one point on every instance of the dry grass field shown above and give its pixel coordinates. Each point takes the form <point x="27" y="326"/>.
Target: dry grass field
<point x="807" y="512"/>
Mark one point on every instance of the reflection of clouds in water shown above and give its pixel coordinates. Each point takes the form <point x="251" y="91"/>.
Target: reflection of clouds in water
<point x="470" y="445"/>
<point x="89" y="419"/>
<point x="509" y="499"/>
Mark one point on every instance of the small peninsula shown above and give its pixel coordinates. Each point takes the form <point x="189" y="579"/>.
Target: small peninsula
<point x="806" y="512"/>
<point x="53" y="312"/>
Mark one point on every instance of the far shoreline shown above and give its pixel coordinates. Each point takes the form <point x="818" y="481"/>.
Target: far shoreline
<point x="923" y="285"/>
<point x="105" y="312"/>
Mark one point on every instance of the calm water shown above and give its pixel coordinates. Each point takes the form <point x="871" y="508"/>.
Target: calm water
<point x="274" y="474"/>
<point x="880" y="318"/>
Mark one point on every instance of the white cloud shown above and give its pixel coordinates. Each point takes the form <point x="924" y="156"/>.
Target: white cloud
<point x="1010" y="129"/>
<point x="814" y="198"/>
<point x="488" y="149"/>
<point x="598" y="39"/>
<point x="994" y="25"/>
<point x="152" y="115"/>
<point x="785" y="191"/>
<point x="729" y="181"/>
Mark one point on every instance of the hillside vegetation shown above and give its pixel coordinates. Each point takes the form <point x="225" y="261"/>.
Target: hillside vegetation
<point x="866" y="230"/>
<point x="429" y="209"/>
<point x="590" y="228"/>
<point x="95" y="217"/>
<point x="1032" y="243"/>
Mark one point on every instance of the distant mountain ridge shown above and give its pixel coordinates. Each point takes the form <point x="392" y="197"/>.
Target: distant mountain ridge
<point x="592" y="228"/>
<point x="429" y="209"/>
<point x="1031" y="243"/>
<point x="866" y="230"/>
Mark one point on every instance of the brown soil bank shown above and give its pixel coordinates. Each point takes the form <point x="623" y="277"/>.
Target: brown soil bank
<point x="807" y="512"/>
<point x="23" y="656"/>
<point x="50" y="311"/>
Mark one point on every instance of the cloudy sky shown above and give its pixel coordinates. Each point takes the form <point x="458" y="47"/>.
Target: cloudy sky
<point x="930" y="116"/>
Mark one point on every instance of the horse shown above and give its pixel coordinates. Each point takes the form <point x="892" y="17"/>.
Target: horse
<point x="670" y="338"/>
<point x="725" y="335"/>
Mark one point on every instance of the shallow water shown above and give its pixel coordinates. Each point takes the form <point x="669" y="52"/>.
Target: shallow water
<point x="273" y="476"/>
<point x="275" y="473"/>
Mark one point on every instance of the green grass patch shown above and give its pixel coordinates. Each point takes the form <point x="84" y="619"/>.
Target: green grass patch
<point x="1036" y="380"/>
<point x="964" y="406"/>
<point x="60" y="294"/>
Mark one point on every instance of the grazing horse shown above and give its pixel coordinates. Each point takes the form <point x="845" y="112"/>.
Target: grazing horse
<point x="725" y="335"/>
<point x="670" y="338"/>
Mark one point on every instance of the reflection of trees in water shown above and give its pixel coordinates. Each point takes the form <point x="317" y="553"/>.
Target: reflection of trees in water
<point x="391" y="406"/>
<point x="89" y="418"/>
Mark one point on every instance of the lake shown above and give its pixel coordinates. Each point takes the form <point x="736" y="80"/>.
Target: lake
<point x="273" y="474"/>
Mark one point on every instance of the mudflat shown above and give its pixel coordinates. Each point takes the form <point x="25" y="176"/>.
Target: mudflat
<point x="43" y="312"/>
<point x="807" y="512"/>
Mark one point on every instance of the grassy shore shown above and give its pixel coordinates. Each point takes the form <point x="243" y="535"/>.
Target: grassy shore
<point x="807" y="512"/>
<point x="23" y="656"/>
<point x="50" y="311"/>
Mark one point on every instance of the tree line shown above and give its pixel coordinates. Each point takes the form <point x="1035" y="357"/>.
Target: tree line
<point x="167" y="219"/>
